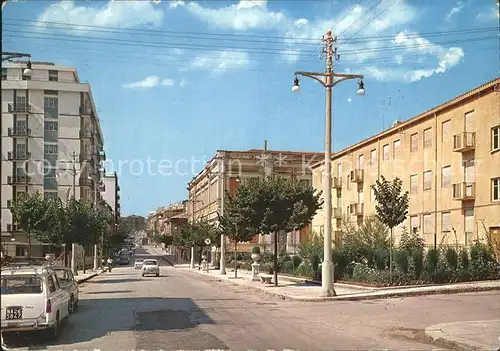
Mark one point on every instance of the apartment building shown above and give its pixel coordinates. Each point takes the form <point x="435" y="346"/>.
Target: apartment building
<point x="449" y="161"/>
<point x="51" y="140"/>
<point x="168" y="220"/>
<point x="111" y="194"/>
<point x="228" y="169"/>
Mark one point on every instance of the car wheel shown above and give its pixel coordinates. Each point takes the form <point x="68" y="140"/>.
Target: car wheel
<point x="143" y="274"/>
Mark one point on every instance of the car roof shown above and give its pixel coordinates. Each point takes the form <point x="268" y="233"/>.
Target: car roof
<point x="40" y="270"/>
<point x="150" y="259"/>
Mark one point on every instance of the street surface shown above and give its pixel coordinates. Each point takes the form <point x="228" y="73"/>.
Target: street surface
<point x="183" y="311"/>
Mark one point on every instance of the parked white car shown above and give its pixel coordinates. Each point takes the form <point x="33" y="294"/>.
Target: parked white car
<point x="68" y="283"/>
<point x="138" y="263"/>
<point x="150" y="267"/>
<point x="32" y="299"/>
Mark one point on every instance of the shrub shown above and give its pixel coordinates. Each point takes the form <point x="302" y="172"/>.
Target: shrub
<point x="340" y="261"/>
<point x="401" y="257"/>
<point x="464" y="259"/>
<point x="483" y="264"/>
<point x="411" y="241"/>
<point x="305" y="270"/>
<point x="431" y="261"/>
<point x="313" y="246"/>
<point x="296" y="260"/>
<point x="287" y="267"/>
<point x="381" y="256"/>
<point x="256" y="250"/>
<point x="418" y="263"/>
<point x="451" y="256"/>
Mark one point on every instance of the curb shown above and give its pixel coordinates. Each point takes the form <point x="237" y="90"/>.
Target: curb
<point x="83" y="280"/>
<point x="359" y="296"/>
<point x="435" y="334"/>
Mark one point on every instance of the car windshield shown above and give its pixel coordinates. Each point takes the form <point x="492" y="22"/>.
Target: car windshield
<point x="63" y="274"/>
<point x="150" y="263"/>
<point x="21" y="285"/>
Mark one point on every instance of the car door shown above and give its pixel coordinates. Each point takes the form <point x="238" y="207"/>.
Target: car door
<point x="59" y="297"/>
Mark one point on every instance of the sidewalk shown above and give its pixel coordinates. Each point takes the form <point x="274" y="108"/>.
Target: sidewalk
<point x="291" y="288"/>
<point x="471" y="335"/>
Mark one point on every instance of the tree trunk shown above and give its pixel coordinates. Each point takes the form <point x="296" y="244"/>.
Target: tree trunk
<point x="235" y="259"/>
<point x="390" y="256"/>
<point x="275" y="270"/>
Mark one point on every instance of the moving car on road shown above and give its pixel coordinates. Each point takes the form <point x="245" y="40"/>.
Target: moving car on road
<point x="149" y="267"/>
<point x="68" y="283"/>
<point x="138" y="263"/>
<point x="32" y="299"/>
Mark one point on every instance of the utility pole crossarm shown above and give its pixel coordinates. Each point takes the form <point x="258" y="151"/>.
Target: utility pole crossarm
<point x="322" y="77"/>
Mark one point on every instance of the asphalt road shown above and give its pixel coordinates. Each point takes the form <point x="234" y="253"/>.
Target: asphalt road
<point x="181" y="311"/>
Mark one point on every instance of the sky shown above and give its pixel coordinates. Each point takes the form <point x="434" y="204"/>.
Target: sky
<point x="175" y="81"/>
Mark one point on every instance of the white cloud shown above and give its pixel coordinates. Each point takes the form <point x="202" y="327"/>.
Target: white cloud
<point x="114" y="14"/>
<point x="183" y="83"/>
<point x="454" y="11"/>
<point x="246" y="14"/>
<point x="221" y="61"/>
<point x="489" y="14"/>
<point x="168" y="82"/>
<point x="146" y="83"/>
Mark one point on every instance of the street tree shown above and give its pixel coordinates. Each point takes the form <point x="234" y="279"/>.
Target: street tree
<point x="391" y="208"/>
<point x="35" y="216"/>
<point x="274" y="205"/>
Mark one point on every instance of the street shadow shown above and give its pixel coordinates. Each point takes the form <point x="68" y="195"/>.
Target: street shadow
<point x="108" y="292"/>
<point x="100" y="317"/>
<point x="116" y="281"/>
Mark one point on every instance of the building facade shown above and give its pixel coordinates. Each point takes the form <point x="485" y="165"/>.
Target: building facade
<point x="228" y="169"/>
<point x="51" y="140"/>
<point x="449" y="161"/>
<point x="111" y="194"/>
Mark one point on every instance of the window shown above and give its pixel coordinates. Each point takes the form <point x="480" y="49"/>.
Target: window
<point x="446" y="177"/>
<point x="395" y="148"/>
<point x="21" y="103"/>
<point x="446" y="130"/>
<point x="446" y="222"/>
<point x="51" y="126"/>
<point x="427" y="180"/>
<point x="414" y="183"/>
<point x="52" y="285"/>
<point x="427" y="138"/>
<point x="495" y="189"/>
<point x="53" y="75"/>
<point x="373" y="157"/>
<point x="361" y="162"/>
<point x="21" y="285"/>
<point x="414" y="223"/>
<point x="50" y="102"/>
<point x="414" y="142"/>
<point x="495" y="138"/>
<point x="26" y="77"/>
<point x="50" y="149"/>
<point x="385" y="150"/>
<point x="428" y="224"/>
<point x="49" y="172"/>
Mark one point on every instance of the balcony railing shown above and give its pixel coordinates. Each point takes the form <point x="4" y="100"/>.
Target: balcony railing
<point x="464" y="191"/>
<point x="464" y="142"/>
<point x="357" y="175"/>
<point x="356" y="209"/>
<point x="19" y="179"/>
<point x="337" y="182"/>
<point x="85" y="182"/>
<point x="85" y="133"/>
<point x="12" y="228"/>
<point x="19" y="132"/>
<point x="19" y="108"/>
<point x="337" y="212"/>
<point x="18" y="156"/>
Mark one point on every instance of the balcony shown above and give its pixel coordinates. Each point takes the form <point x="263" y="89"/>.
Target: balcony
<point x="464" y="142"/>
<point x="357" y="175"/>
<point x="85" y="182"/>
<point x="18" y="156"/>
<point x="337" y="182"/>
<point x="19" y="108"/>
<point x="85" y="110"/>
<point x="12" y="228"/>
<point x="337" y="212"/>
<point x="356" y="209"/>
<point x="19" y="132"/>
<point x="20" y="179"/>
<point x="85" y="133"/>
<point x="464" y="191"/>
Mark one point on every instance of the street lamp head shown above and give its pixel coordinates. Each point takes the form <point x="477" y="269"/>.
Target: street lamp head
<point x="361" y="88"/>
<point x="296" y="86"/>
<point x="238" y="179"/>
<point x="28" y="71"/>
